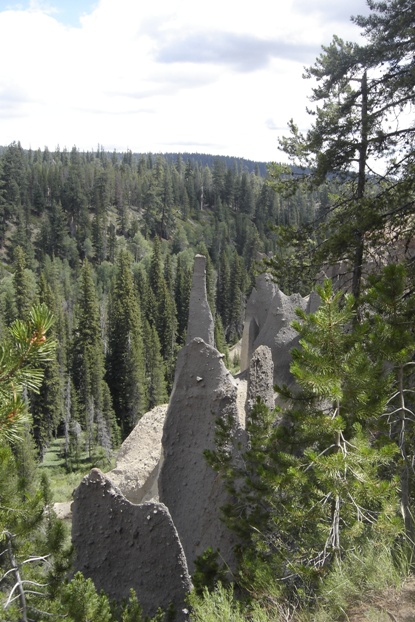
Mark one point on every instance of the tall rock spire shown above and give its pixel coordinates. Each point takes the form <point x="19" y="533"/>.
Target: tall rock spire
<point x="204" y="391"/>
<point x="268" y="317"/>
<point x="200" y="323"/>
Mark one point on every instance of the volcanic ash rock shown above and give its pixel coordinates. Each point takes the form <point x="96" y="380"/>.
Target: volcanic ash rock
<point x="204" y="391"/>
<point x="261" y="379"/>
<point x="269" y="313"/>
<point x="200" y="322"/>
<point x="138" y="459"/>
<point x="121" y="546"/>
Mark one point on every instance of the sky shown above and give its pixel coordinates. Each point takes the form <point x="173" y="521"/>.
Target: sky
<point x="222" y="77"/>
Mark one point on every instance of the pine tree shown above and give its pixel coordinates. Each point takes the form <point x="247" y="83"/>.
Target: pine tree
<point x="163" y="314"/>
<point x="236" y="301"/>
<point x="182" y="288"/>
<point x="32" y="548"/>
<point x="22" y="286"/>
<point x="223" y="302"/>
<point x="360" y="92"/>
<point x="88" y="364"/>
<point x="22" y="236"/>
<point x="32" y="540"/>
<point x="100" y="196"/>
<point x="46" y="406"/>
<point x="156" y="277"/>
<point x="13" y="182"/>
<point x="312" y="485"/>
<point x="59" y="231"/>
<point x="80" y="602"/>
<point x="392" y="341"/>
<point x="125" y="359"/>
<point x="155" y="372"/>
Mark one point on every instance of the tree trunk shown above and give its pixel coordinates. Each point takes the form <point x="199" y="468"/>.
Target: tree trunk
<point x="361" y="183"/>
<point x="405" y="473"/>
<point x="16" y="572"/>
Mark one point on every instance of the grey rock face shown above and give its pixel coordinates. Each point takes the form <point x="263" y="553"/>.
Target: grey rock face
<point x="138" y="459"/>
<point x="204" y="391"/>
<point x="200" y="323"/>
<point x="340" y="274"/>
<point x="261" y="379"/>
<point x="122" y="546"/>
<point x="313" y="303"/>
<point x="269" y="313"/>
<point x="256" y="312"/>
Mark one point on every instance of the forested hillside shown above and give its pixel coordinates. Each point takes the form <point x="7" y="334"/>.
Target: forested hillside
<point x="107" y="242"/>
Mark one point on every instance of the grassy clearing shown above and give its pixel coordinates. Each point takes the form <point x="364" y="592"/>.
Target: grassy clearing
<point x="64" y="480"/>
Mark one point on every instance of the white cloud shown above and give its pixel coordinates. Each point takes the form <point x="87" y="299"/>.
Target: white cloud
<point x="157" y="76"/>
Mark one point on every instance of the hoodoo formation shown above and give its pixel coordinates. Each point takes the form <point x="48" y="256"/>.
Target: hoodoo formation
<point x="122" y="536"/>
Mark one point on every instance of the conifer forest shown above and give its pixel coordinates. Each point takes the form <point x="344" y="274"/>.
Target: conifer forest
<point x="96" y="260"/>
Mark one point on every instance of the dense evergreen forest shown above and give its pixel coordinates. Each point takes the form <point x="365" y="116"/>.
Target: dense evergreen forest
<point x="107" y="242"/>
<point x="97" y="252"/>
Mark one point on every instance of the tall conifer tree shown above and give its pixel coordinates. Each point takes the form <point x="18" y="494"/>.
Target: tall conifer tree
<point x="125" y="360"/>
<point x="182" y="287"/>
<point x="164" y="312"/>
<point x="46" y="406"/>
<point x="155" y="370"/>
<point x="88" y="364"/>
<point x="21" y="282"/>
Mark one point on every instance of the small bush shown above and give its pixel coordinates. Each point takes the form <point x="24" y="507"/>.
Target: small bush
<point x="217" y="605"/>
<point x="222" y="605"/>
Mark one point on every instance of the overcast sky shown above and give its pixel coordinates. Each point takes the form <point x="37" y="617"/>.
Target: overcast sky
<point x="220" y="77"/>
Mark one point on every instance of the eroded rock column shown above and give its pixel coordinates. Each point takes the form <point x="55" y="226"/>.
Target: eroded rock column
<point x="200" y="323"/>
<point x="194" y="493"/>
<point x="261" y="379"/>
<point x="138" y="459"/>
<point x="269" y="314"/>
<point x="121" y="546"/>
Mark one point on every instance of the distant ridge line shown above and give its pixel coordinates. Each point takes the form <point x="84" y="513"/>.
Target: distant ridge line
<point x="206" y="159"/>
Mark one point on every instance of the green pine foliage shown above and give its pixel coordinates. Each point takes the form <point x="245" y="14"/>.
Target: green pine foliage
<point x="88" y="367"/>
<point x="25" y="345"/>
<point x="218" y="605"/>
<point x="208" y="572"/>
<point x="155" y="370"/>
<point x="32" y="549"/>
<point x="46" y="405"/>
<point x="223" y="291"/>
<point x="223" y="604"/>
<point x="182" y="287"/>
<point x="390" y="322"/>
<point x="163" y="312"/>
<point x="32" y="546"/>
<point x="313" y="485"/>
<point x="24" y="295"/>
<point x="125" y="358"/>
<point x="81" y="602"/>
